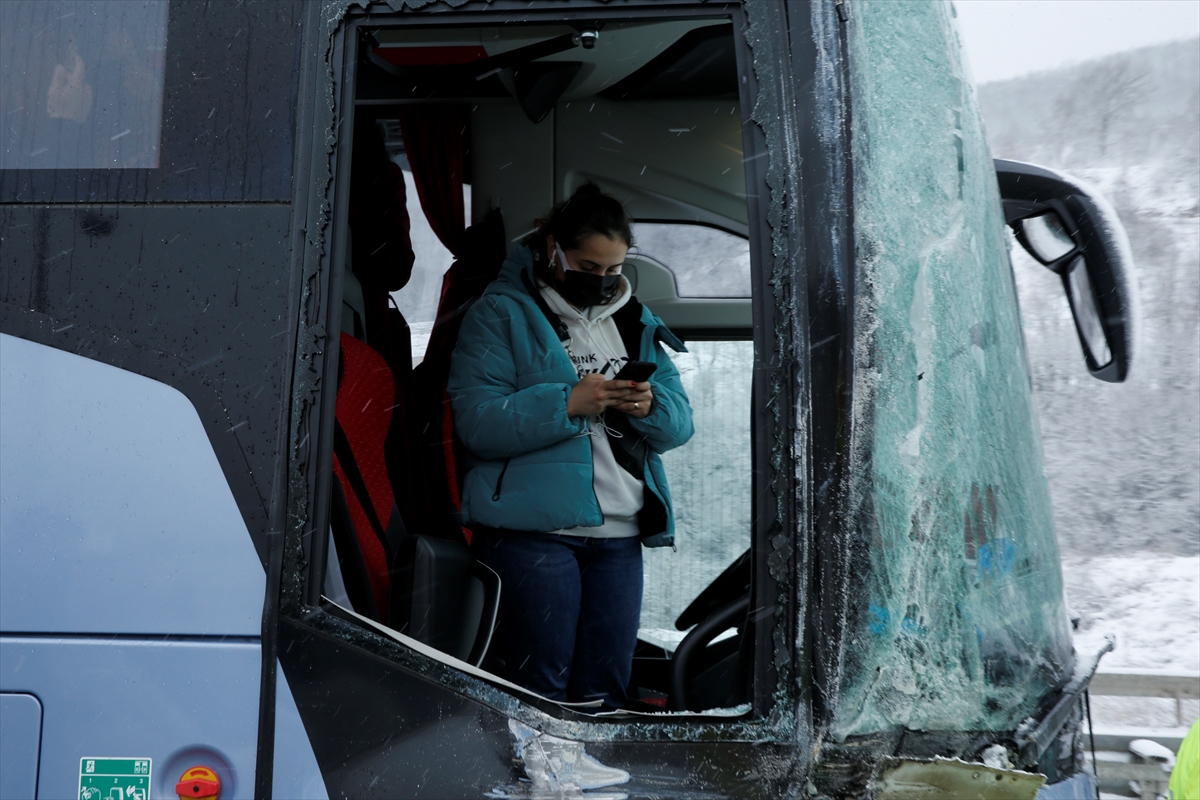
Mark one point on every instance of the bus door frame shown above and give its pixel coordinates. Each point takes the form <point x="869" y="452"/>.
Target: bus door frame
<point x="798" y="204"/>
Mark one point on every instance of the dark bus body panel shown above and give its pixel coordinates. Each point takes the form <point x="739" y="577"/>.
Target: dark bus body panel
<point x="196" y="296"/>
<point x="393" y="733"/>
<point x="171" y="275"/>
<point x="387" y="732"/>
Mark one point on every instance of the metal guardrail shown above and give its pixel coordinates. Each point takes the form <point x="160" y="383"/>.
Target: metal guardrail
<point x="1115" y="775"/>
<point x="1118" y="739"/>
<point x="1142" y="683"/>
<point x="1120" y="772"/>
<point x="1115" y="778"/>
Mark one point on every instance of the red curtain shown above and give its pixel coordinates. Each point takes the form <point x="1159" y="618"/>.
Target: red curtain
<point x="434" y="137"/>
<point x="435" y="142"/>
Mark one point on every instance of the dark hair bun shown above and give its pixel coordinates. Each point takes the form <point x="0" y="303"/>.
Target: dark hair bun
<point x="587" y="212"/>
<point x="588" y="189"/>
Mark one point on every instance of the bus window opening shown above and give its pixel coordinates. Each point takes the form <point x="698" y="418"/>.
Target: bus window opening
<point x="526" y="216"/>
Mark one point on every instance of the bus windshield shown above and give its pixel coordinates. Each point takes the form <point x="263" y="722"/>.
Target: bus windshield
<point x="960" y="624"/>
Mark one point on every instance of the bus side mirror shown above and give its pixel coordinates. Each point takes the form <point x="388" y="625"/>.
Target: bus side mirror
<point x="1074" y="232"/>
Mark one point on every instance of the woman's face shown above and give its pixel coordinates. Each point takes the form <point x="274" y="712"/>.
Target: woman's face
<point x="596" y="254"/>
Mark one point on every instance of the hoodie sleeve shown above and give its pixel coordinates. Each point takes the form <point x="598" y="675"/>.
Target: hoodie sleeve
<point x="669" y="423"/>
<point x="493" y="417"/>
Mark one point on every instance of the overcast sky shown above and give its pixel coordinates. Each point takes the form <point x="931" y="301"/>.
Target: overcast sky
<point x="1006" y="38"/>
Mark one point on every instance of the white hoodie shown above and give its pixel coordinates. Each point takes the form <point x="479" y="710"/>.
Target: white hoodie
<point x="595" y="346"/>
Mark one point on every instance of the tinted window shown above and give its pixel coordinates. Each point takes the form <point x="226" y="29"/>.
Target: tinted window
<point x="96" y="109"/>
<point x="86" y="89"/>
<point x="710" y="486"/>
<point x="706" y="262"/>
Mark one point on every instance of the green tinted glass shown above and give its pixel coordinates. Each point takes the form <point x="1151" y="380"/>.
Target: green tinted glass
<point x="959" y="621"/>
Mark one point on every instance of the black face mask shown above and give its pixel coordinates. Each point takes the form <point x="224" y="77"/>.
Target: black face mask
<point x="583" y="289"/>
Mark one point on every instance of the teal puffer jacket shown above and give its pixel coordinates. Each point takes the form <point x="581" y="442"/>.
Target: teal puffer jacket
<point x="530" y="466"/>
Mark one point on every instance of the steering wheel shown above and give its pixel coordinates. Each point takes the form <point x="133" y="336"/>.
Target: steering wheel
<point x="686" y="662"/>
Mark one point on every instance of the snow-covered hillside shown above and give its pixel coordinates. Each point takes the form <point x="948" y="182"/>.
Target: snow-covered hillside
<point x="1123" y="461"/>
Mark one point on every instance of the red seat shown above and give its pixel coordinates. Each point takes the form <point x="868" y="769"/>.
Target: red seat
<point x="366" y="394"/>
<point x="431" y="589"/>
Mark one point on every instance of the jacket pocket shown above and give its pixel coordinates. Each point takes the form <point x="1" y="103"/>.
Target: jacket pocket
<point x="500" y="480"/>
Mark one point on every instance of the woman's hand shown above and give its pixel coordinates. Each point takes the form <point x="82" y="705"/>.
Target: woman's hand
<point x="639" y="400"/>
<point x="593" y="394"/>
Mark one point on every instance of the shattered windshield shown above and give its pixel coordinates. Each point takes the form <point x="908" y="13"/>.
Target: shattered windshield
<point x="958" y="622"/>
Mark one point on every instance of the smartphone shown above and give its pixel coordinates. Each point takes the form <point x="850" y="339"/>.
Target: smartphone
<point x="639" y="371"/>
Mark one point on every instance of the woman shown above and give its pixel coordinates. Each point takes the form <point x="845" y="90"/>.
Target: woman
<point x="565" y="483"/>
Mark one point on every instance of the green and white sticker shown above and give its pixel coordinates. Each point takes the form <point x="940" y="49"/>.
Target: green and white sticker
<point x="114" y="778"/>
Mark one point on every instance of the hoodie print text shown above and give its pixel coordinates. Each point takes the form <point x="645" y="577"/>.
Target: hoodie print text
<point x="592" y="363"/>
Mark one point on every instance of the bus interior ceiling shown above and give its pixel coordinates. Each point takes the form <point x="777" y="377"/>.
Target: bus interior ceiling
<point x="650" y="114"/>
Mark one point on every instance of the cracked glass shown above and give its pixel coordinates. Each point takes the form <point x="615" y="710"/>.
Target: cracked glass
<point x="956" y="619"/>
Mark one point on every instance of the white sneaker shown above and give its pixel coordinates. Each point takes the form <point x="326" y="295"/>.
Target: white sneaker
<point x="561" y="766"/>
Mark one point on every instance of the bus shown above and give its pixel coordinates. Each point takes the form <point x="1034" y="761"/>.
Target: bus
<point x="237" y="238"/>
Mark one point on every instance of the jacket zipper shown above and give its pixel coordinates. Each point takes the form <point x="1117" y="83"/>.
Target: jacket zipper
<point x="500" y="480"/>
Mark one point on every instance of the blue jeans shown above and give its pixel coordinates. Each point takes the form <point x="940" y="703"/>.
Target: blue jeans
<point x="569" y="609"/>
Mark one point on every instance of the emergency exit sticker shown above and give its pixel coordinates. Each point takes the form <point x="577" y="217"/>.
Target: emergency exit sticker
<point x="114" y="778"/>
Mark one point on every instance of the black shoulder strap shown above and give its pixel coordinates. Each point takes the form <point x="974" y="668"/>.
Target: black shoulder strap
<point x="559" y="328"/>
<point x="628" y="319"/>
<point x="629" y="449"/>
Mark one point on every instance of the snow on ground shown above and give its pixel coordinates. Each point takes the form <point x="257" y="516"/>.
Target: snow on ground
<point x="1151" y="604"/>
<point x="420" y="333"/>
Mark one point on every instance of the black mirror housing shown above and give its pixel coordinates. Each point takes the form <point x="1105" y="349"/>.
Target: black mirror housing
<point x="1044" y="208"/>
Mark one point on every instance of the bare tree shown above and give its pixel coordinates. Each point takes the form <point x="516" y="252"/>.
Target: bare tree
<point x="1103" y="95"/>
